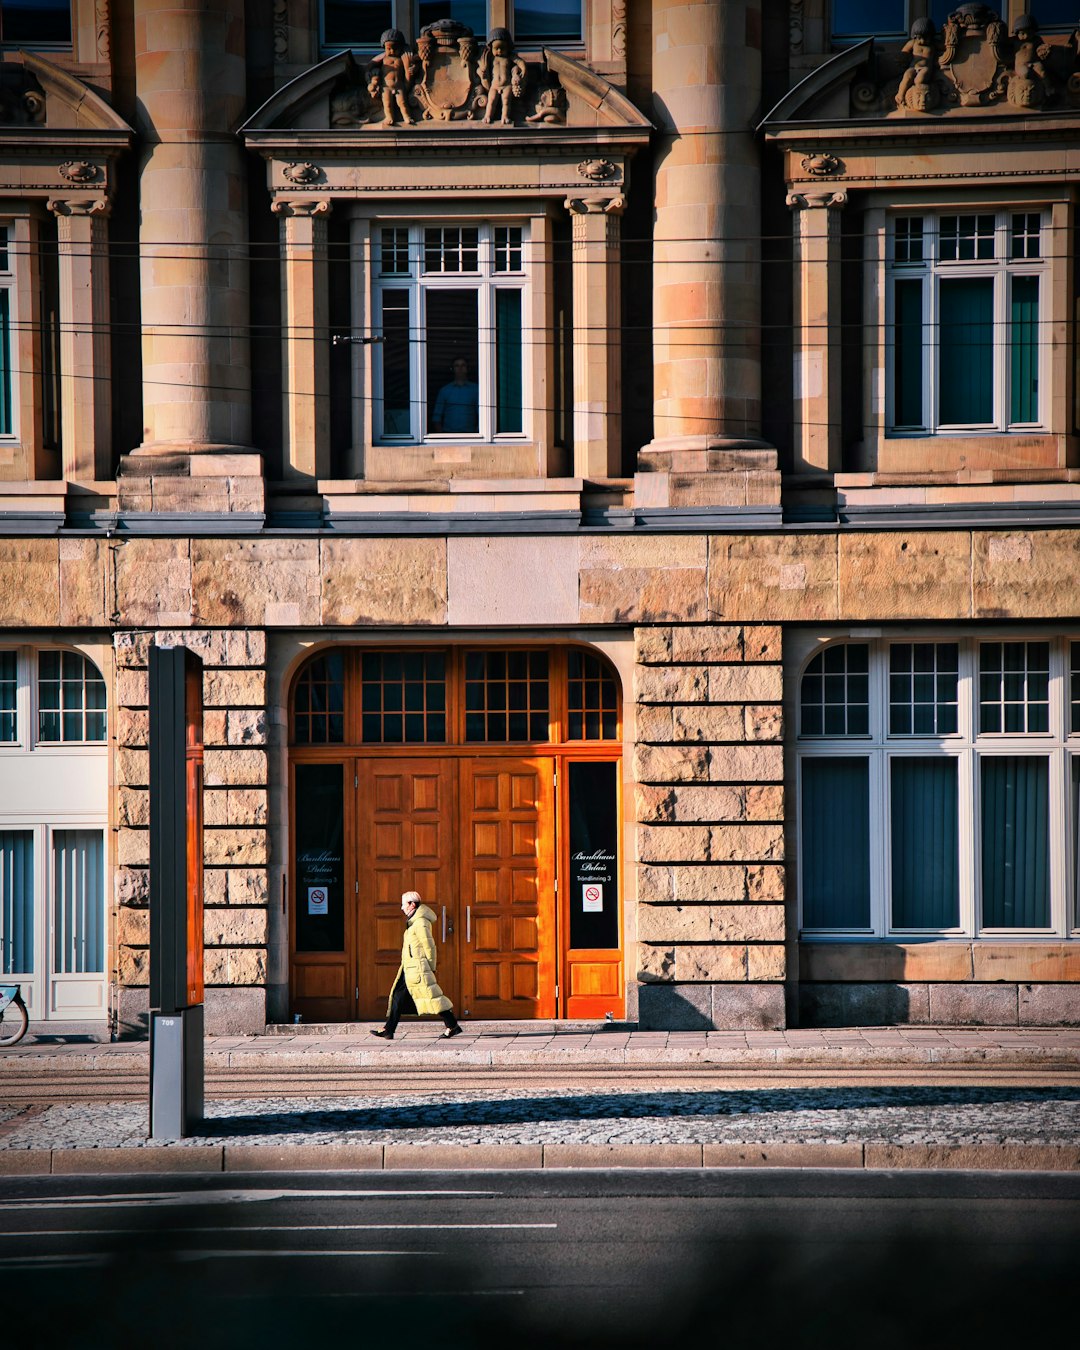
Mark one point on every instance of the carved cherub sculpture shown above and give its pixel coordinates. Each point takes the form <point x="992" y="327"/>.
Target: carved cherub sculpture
<point x="391" y="75"/>
<point x="919" y="76"/>
<point x="1029" y="83"/>
<point x="502" y="73"/>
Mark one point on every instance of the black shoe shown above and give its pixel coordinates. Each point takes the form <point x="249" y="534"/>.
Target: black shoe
<point x="450" y="1031"/>
<point x="384" y="1034"/>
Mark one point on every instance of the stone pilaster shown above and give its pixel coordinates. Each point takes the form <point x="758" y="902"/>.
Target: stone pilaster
<point x="709" y="768"/>
<point x="706" y="250"/>
<point x="85" y="359"/>
<point x="597" y="322"/>
<point x="817" y="330"/>
<point x="305" y="337"/>
<point x="191" y="87"/>
<point x="236" y="841"/>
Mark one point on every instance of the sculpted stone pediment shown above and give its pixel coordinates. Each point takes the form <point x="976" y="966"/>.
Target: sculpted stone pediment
<point x="974" y="63"/>
<point x="35" y="93"/>
<point x="449" y="78"/>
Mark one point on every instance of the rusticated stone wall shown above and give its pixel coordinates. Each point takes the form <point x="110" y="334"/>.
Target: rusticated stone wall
<point x="236" y="840"/>
<point x="709" y="770"/>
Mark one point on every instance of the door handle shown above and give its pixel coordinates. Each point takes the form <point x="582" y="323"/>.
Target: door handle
<point x="444" y="923"/>
<point x="468" y="923"/>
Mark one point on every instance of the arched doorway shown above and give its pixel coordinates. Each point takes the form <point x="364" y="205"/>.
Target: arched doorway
<point x="487" y="779"/>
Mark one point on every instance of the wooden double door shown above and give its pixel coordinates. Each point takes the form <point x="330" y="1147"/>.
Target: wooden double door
<point x="475" y="837"/>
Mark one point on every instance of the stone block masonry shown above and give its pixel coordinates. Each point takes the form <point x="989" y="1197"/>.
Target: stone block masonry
<point x="236" y="838"/>
<point x="709" y="807"/>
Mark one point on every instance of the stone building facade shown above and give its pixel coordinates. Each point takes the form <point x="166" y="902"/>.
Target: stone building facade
<point x="618" y="465"/>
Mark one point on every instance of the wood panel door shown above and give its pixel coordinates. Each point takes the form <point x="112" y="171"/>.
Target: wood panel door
<point x="507" y="870"/>
<point x="405" y="843"/>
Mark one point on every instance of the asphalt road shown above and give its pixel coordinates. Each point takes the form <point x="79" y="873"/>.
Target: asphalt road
<point x="524" y="1259"/>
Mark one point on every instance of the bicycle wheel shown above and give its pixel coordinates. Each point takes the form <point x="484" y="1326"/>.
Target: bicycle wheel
<point x="13" y="1023"/>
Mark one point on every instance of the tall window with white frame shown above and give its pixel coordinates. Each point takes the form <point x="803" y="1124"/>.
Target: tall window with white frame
<point x="964" y="322"/>
<point x="935" y="782"/>
<point x="53" y="799"/>
<point x="449" y="304"/>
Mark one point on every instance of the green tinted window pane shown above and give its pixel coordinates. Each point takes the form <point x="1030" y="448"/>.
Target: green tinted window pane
<point x="924" y="842"/>
<point x="1024" y="350"/>
<point x="6" y="423"/>
<point x="17" y="902"/>
<point x="508" y="352"/>
<point x="835" y="840"/>
<point x="1015" y="841"/>
<point x="9" y="690"/>
<point x="908" y="353"/>
<point x="966" y="350"/>
<point x="396" y="364"/>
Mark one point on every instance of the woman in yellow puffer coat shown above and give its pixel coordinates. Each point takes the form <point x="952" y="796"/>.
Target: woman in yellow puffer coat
<point x="415" y="989"/>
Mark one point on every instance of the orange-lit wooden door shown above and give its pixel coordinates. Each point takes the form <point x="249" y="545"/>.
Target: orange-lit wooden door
<point x="405" y="843"/>
<point x="507" y="871"/>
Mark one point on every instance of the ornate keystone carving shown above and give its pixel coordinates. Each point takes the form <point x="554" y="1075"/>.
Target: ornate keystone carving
<point x="823" y="166"/>
<point x="597" y="170"/>
<point x="502" y="75"/>
<point x="79" y="171"/>
<point x="302" y="173"/>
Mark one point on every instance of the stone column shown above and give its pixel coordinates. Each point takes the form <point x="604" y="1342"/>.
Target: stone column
<point x="707" y="256"/>
<point x="85" y="356"/>
<point x="597" y="323"/>
<point x="817" y="330"/>
<point x="305" y="338"/>
<point x="190" y="85"/>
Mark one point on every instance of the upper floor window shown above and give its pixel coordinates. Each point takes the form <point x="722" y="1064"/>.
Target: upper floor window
<point x="450" y="306"/>
<point x="964" y="315"/>
<point x="50" y="697"/>
<point x="35" y="23"/>
<point x="547" y="21"/>
<point x="361" y="23"/>
<point x="852" y="20"/>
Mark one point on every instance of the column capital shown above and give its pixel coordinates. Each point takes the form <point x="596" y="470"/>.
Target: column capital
<point x="812" y="201"/>
<point x="308" y="207"/>
<point x="596" y="205"/>
<point x="99" y="207"/>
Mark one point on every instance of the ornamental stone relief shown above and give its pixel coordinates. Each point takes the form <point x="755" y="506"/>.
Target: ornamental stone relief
<point x="974" y="62"/>
<point x="22" y="99"/>
<point x="448" y="77"/>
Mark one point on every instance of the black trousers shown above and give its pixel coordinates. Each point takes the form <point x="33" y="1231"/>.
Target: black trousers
<point x="401" y="1005"/>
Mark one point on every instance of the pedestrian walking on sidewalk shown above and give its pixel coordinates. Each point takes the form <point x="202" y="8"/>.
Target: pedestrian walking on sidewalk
<point x="414" y="989"/>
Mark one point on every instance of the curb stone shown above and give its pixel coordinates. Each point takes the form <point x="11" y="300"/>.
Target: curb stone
<point x="217" y="1158"/>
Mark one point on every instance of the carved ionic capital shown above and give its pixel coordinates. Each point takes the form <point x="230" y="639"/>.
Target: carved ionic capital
<point x="595" y="206"/>
<point x="99" y="207"/>
<point x="813" y="201"/>
<point x="304" y="206"/>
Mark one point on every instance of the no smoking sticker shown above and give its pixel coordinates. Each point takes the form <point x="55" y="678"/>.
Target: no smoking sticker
<point x="592" y="898"/>
<point x="318" y="900"/>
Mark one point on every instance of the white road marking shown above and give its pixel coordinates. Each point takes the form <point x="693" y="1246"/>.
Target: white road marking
<point x="279" y="1228"/>
<point x="225" y="1198"/>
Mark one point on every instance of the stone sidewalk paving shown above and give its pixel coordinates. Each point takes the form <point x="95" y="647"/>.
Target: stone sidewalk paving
<point x="532" y="1124"/>
<point x="524" y="1044"/>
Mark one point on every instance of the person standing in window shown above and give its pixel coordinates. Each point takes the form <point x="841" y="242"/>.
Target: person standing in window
<point x="457" y="407"/>
<point x="414" y="989"/>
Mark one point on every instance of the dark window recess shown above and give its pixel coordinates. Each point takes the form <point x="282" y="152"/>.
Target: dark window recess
<point x="319" y="704"/>
<point x="320" y="828"/>
<point x="403" y="697"/>
<point x="594" y="856"/>
<point x="36" y="21"/>
<point x="506" y="696"/>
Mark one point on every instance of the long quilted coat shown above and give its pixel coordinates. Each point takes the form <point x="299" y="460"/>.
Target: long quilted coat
<point x="417" y="967"/>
